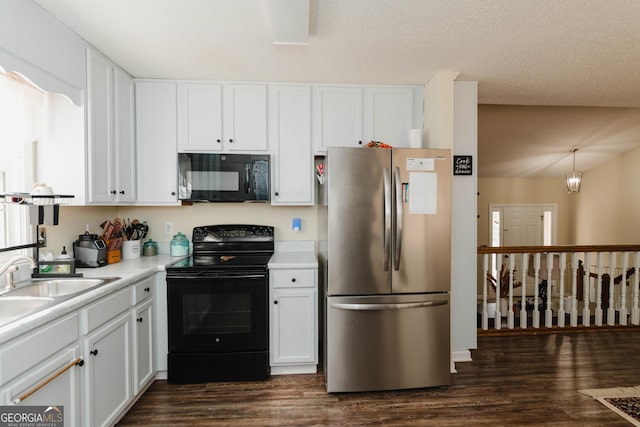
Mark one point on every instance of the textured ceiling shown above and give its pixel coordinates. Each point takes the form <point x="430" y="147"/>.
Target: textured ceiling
<point x="524" y="52"/>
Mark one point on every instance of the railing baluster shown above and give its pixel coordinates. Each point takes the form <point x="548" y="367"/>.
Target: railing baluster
<point x="623" y="289"/>
<point x="510" y="314"/>
<point x="586" y="310"/>
<point x="536" y="269"/>
<point x="635" y="311"/>
<point x="598" y="311"/>
<point x="574" y="289"/>
<point x="611" y="310"/>
<point x="561" y="266"/>
<point x="485" y="270"/>
<point x="548" y="318"/>
<point x="498" y="319"/>
<point x="523" y="303"/>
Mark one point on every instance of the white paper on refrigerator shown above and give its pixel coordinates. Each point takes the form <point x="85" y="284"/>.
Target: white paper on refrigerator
<point x="423" y="193"/>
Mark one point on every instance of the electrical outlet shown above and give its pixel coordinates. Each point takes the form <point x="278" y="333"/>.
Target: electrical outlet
<point x="168" y="227"/>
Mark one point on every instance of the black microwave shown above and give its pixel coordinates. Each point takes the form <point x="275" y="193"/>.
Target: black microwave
<point x="208" y="177"/>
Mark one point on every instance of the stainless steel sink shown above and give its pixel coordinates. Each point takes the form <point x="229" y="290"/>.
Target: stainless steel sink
<point x="57" y="287"/>
<point x="15" y="307"/>
<point x="38" y="294"/>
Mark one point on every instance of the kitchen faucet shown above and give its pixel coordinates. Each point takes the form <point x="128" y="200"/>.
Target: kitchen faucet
<point x="10" y="267"/>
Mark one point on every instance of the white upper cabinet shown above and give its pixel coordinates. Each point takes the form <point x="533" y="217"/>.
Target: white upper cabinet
<point x="222" y="117"/>
<point x="110" y="132"/>
<point x="290" y="137"/>
<point x="351" y="116"/>
<point x="156" y="136"/>
<point x="199" y="117"/>
<point x="245" y="117"/>
<point x="389" y="115"/>
<point x="337" y="117"/>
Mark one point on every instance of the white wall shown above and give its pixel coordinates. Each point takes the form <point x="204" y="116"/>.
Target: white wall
<point x="464" y="223"/>
<point x="73" y="220"/>
<point x="608" y="206"/>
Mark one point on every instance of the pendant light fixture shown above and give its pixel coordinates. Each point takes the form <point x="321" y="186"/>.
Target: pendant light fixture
<point x="574" y="179"/>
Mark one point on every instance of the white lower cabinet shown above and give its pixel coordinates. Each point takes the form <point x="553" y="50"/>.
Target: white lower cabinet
<point x="107" y="347"/>
<point x="294" y="321"/>
<point x="113" y="341"/>
<point x="143" y="349"/>
<point x="40" y="369"/>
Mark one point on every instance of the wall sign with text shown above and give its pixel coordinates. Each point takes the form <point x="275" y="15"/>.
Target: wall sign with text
<point x="463" y="165"/>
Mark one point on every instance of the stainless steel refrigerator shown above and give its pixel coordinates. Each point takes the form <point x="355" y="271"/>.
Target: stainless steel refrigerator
<point x="387" y="268"/>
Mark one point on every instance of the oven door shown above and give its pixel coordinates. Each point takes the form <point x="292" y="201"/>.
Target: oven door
<point x="217" y="312"/>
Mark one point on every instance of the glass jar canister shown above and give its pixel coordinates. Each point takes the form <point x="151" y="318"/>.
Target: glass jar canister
<point x="150" y="248"/>
<point x="179" y="245"/>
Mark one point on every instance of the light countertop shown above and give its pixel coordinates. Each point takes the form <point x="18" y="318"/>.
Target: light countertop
<point x="294" y="254"/>
<point x="128" y="270"/>
<point x="287" y="255"/>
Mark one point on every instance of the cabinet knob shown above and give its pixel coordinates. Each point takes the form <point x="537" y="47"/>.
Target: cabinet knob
<point x="147" y="289"/>
<point x="139" y="320"/>
<point x="113" y="191"/>
<point x="173" y="193"/>
<point x="293" y="279"/>
<point x="276" y="194"/>
<point x="218" y="141"/>
<point x="275" y="301"/>
<point x="360" y="142"/>
<point x="230" y="139"/>
<point x="121" y="191"/>
<point x="94" y="352"/>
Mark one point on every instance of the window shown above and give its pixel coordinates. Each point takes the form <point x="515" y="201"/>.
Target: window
<point x="22" y="108"/>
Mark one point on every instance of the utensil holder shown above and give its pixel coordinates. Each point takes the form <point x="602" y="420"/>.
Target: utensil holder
<point x="113" y="256"/>
<point x="131" y="249"/>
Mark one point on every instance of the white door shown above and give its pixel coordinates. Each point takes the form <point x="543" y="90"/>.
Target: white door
<point x="522" y="226"/>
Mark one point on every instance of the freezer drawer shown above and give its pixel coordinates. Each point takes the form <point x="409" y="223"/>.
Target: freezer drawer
<point x="387" y="342"/>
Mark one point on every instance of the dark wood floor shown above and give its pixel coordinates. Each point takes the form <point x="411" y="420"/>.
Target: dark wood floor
<point x="513" y="380"/>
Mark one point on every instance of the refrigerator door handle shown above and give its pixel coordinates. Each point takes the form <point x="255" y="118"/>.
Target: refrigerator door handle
<point x="386" y="241"/>
<point x="398" y="222"/>
<point x="391" y="306"/>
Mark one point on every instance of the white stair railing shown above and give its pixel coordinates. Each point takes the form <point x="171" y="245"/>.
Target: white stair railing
<point x="565" y="283"/>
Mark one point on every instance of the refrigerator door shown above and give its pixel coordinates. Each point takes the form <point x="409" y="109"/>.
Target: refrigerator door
<point x="421" y="250"/>
<point x="387" y="342"/>
<point x="359" y="221"/>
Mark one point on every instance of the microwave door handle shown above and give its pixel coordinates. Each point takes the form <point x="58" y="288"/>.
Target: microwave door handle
<point x="247" y="176"/>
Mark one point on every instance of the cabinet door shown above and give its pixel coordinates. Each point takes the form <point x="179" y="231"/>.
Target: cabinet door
<point x="337" y="117"/>
<point x="199" y="117"/>
<point x="157" y="154"/>
<point x="389" y="115"/>
<point x="245" y="117"/>
<point x="290" y="135"/>
<point x="64" y="390"/>
<point x="108" y="376"/>
<point x="124" y="137"/>
<point x="143" y="348"/>
<point x="293" y="326"/>
<point x="99" y="128"/>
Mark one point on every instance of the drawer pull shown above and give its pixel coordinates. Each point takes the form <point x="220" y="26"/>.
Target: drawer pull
<point x="64" y="369"/>
<point x="293" y="279"/>
<point x="94" y="352"/>
<point x="147" y="289"/>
